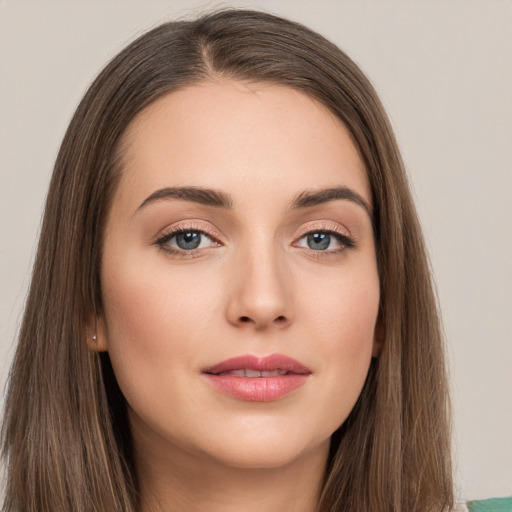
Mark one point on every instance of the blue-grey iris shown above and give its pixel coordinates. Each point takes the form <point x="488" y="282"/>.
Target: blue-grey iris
<point x="319" y="241"/>
<point x="188" y="240"/>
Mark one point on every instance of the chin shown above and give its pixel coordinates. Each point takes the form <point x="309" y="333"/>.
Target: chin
<point x="257" y="459"/>
<point x="267" y="450"/>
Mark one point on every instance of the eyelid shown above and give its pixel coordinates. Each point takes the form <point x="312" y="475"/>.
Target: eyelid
<point x="182" y="226"/>
<point x="327" y="226"/>
<point x="189" y="225"/>
<point x="342" y="234"/>
<point x="203" y="227"/>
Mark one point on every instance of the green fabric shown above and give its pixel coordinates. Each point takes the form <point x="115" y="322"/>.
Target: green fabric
<point x="492" y="505"/>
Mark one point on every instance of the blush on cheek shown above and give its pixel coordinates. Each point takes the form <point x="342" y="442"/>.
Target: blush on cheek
<point x="349" y="311"/>
<point x="149" y="308"/>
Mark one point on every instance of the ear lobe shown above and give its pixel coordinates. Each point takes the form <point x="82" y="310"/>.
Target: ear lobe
<point x="379" y="336"/>
<point x="97" y="335"/>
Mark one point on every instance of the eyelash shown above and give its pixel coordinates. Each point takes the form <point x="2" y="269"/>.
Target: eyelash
<point x="163" y="241"/>
<point x="346" y="242"/>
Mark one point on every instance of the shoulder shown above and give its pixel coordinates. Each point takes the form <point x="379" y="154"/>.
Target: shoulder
<point x="490" y="505"/>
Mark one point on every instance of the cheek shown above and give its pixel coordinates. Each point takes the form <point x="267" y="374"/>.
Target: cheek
<point x="155" y="324"/>
<point x="344" y="309"/>
<point x="154" y="303"/>
<point x="342" y="318"/>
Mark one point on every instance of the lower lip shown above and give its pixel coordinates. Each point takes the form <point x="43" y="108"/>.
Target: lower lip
<point x="257" y="389"/>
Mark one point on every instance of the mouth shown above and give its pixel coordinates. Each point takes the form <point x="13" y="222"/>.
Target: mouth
<point x="253" y="374"/>
<point x="257" y="379"/>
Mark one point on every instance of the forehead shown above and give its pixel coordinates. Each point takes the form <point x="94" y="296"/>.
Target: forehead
<point x="247" y="137"/>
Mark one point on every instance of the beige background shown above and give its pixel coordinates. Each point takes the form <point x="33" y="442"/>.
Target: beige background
<point x="443" y="70"/>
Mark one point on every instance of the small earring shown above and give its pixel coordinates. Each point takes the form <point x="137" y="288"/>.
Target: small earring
<point x="94" y="337"/>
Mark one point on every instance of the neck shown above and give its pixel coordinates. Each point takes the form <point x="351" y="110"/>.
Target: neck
<point x="177" y="481"/>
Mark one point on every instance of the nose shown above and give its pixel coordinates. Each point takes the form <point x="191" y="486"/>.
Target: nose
<point x="260" y="291"/>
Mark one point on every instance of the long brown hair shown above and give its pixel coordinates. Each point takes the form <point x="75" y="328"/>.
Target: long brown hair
<point x="66" y="438"/>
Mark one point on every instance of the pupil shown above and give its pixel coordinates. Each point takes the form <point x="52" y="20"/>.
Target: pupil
<point x="319" y="241"/>
<point x="189" y="240"/>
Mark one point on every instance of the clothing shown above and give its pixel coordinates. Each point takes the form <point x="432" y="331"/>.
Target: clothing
<point x="491" y="505"/>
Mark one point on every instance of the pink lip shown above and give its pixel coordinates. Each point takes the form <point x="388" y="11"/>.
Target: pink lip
<point x="258" y="389"/>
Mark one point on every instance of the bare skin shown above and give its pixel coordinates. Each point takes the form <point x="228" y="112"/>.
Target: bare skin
<point x="283" y="263"/>
<point x="194" y="484"/>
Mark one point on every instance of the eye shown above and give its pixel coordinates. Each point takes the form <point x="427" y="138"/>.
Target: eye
<point x="327" y="241"/>
<point x="183" y="240"/>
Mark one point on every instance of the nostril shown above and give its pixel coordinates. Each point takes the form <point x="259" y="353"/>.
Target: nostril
<point x="248" y="320"/>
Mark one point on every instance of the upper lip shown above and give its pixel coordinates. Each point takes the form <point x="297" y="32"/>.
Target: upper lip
<point x="265" y="363"/>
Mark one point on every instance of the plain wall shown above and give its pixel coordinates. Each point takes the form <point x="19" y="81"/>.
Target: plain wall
<point x="443" y="70"/>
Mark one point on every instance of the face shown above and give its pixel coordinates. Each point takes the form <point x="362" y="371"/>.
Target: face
<point x="239" y="276"/>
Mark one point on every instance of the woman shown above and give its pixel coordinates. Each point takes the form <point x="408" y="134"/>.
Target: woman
<point x="231" y="303"/>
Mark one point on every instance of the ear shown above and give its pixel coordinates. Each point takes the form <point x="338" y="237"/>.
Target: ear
<point x="379" y="336"/>
<point x="97" y="334"/>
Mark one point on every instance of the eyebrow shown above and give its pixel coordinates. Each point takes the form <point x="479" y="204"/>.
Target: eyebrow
<point x="315" y="197"/>
<point x="218" y="199"/>
<point x="199" y="195"/>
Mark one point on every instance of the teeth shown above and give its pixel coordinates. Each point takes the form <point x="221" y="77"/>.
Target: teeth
<point x="273" y="373"/>
<point x="245" y="372"/>
<point x="238" y="373"/>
